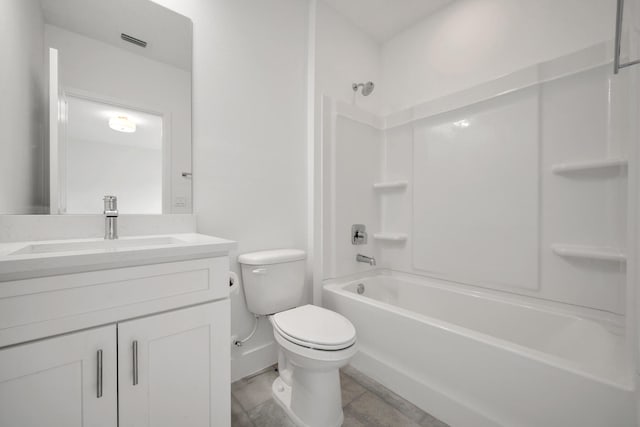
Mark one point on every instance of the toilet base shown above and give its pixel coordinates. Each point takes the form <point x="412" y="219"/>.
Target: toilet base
<point x="282" y="395"/>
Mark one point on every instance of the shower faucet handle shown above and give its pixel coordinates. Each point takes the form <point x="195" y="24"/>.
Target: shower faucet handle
<point x="359" y="234"/>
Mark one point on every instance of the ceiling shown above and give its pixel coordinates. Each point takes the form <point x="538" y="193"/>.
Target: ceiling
<point x="383" y="19"/>
<point x="89" y="121"/>
<point x="167" y="33"/>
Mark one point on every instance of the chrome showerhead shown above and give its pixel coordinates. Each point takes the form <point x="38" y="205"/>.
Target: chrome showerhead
<point x="367" y="87"/>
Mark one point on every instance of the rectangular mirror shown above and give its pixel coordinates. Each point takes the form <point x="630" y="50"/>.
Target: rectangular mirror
<point x="96" y="101"/>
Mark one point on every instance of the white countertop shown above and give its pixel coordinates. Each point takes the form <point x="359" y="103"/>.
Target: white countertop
<point x="17" y="262"/>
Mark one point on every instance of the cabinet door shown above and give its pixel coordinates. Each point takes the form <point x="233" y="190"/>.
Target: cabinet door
<point x="174" y="368"/>
<point x="66" y="381"/>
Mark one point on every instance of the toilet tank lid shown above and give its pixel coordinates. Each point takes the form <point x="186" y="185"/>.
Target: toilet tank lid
<point x="275" y="256"/>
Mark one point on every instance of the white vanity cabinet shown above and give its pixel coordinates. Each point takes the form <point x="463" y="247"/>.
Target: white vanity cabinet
<point x="67" y="381"/>
<point x="105" y="339"/>
<point x="165" y="372"/>
<point x="170" y="365"/>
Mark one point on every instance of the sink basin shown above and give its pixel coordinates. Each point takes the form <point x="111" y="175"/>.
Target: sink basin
<point x="44" y="248"/>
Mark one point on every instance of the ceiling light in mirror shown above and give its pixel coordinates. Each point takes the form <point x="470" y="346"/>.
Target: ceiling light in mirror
<point x="122" y="124"/>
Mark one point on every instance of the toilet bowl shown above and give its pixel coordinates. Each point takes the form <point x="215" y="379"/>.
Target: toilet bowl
<point x="313" y="342"/>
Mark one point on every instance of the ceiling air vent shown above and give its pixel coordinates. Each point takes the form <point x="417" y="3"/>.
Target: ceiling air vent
<point x="137" y="42"/>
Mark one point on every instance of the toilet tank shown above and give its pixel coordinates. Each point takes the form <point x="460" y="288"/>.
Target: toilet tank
<point x="273" y="280"/>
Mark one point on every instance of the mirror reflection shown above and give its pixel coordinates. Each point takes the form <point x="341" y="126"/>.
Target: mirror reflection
<point x="100" y="102"/>
<point x="127" y="162"/>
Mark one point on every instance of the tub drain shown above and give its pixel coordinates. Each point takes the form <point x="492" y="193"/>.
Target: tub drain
<point x="360" y="288"/>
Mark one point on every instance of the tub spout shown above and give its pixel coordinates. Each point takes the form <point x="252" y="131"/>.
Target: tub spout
<point x="363" y="258"/>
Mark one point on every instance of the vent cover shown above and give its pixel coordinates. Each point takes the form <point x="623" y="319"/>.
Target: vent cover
<point x="133" y="40"/>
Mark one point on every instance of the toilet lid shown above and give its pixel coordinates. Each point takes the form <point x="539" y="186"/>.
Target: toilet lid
<point x="315" y="327"/>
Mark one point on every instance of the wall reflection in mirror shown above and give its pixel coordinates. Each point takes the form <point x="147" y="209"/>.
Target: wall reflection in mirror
<point x="96" y="100"/>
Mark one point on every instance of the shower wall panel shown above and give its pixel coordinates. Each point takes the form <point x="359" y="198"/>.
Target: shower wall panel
<point x="488" y="205"/>
<point x="476" y="193"/>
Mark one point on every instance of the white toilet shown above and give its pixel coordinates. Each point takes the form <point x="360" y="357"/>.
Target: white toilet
<point x="313" y="342"/>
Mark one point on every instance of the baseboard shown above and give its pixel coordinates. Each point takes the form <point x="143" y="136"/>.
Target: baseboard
<point x="253" y="361"/>
<point x="427" y="398"/>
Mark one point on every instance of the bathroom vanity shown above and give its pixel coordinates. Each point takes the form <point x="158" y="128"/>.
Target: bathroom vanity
<point x="132" y="332"/>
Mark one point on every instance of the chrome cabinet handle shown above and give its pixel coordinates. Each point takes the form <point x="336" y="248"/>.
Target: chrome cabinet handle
<point x="618" y="40"/>
<point x="99" y="388"/>
<point x="135" y="362"/>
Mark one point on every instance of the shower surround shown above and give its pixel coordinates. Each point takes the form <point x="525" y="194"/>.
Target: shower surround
<point x="518" y="187"/>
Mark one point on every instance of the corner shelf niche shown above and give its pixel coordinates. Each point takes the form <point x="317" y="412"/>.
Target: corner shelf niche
<point x="391" y="185"/>
<point x="589" y="252"/>
<point x="391" y="237"/>
<point x="563" y="168"/>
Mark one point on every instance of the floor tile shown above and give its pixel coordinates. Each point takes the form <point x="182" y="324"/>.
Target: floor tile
<point x="270" y="414"/>
<point x="375" y="412"/>
<point x="239" y="418"/>
<point x="359" y="377"/>
<point x="350" y="389"/>
<point x="254" y="391"/>
<point x="431" y="421"/>
<point x="407" y="408"/>
<point x="350" y="420"/>
<point x="366" y="403"/>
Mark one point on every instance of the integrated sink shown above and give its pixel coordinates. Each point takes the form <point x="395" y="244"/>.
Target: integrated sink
<point x="23" y="260"/>
<point x="93" y="245"/>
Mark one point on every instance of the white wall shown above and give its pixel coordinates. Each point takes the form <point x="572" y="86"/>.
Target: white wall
<point x="344" y="54"/>
<point x="22" y="112"/>
<point x="250" y="97"/>
<point x="139" y="82"/>
<point x="473" y="41"/>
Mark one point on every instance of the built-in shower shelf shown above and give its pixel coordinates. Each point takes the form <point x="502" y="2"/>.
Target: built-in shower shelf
<point x="391" y="237"/>
<point x="561" y="168"/>
<point x="590" y="252"/>
<point x="390" y="185"/>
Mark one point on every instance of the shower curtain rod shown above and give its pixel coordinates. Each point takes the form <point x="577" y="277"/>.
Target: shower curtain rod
<point x="616" y="56"/>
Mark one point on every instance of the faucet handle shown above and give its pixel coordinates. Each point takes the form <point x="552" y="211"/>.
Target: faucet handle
<point x="358" y="234"/>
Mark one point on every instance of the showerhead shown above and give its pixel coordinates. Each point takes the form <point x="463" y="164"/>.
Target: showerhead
<point x="367" y="88"/>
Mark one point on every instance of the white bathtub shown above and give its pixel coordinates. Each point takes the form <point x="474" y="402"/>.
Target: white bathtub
<point x="476" y="359"/>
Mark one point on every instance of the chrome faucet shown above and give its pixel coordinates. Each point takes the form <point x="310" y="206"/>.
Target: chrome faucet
<point x="363" y="258"/>
<point x="110" y="217"/>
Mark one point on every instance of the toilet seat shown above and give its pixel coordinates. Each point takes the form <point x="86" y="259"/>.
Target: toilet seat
<point x="315" y="327"/>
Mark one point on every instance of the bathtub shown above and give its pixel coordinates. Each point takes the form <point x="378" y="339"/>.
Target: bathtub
<point x="475" y="358"/>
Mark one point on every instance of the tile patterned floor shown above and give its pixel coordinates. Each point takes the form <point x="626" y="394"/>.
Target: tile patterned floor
<point x="366" y="403"/>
